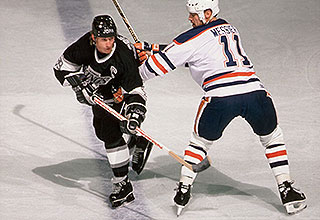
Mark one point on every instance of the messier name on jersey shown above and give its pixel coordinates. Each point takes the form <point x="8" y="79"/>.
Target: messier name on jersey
<point x="223" y="30"/>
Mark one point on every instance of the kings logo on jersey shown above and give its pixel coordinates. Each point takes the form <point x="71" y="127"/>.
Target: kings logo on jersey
<point x="95" y="77"/>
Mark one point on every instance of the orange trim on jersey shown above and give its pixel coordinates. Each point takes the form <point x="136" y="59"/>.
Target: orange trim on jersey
<point x="194" y="155"/>
<point x="276" y="154"/>
<point x="228" y="75"/>
<point x="200" y="33"/>
<point x="156" y="62"/>
<point x="203" y="102"/>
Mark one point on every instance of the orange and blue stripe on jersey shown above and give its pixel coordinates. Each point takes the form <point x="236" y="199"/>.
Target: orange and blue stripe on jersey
<point x="194" y="32"/>
<point x="159" y="64"/>
<point x="212" y="82"/>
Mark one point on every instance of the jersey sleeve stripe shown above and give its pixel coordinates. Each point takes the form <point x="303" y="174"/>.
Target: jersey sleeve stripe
<point x="150" y="68"/>
<point x="158" y="64"/>
<point x="166" y="59"/>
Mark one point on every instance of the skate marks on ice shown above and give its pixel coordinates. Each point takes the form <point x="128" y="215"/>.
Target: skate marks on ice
<point x="90" y="175"/>
<point x="209" y="186"/>
<point x="313" y="67"/>
<point x="93" y="177"/>
<point x="18" y="112"/>
<point x="158" y="179"/>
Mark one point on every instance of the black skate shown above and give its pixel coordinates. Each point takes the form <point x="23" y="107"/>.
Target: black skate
<point x="292" y="199"/>
<point x="182" y="197"/>
<point x="141" y="154"/>
<point x="122" y="192"/>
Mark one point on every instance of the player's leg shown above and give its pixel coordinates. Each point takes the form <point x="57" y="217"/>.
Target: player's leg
<point x="212" y="118"/>
<point x="261" y="115"/>
<point x="141" y="149"/>
<point x="107" y="129"/>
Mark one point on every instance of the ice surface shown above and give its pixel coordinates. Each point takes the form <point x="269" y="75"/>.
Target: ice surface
<point x="53" y="167"/>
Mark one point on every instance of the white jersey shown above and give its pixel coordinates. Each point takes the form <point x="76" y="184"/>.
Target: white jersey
<point x="215" y="57"/>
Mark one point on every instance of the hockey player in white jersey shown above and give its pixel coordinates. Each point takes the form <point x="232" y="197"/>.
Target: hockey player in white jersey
<point x="213" y="52"/>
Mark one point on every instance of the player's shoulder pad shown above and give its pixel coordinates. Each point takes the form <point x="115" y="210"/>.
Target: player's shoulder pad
<point x="194" y="32"/>
<point x="124" y="41"/>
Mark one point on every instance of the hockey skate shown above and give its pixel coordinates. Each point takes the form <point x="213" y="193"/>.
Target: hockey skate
<point x="122" y="193"/>
<point x="292" y="199"/>
<point x="182" y="197"/>
<point x="141" y="154"/>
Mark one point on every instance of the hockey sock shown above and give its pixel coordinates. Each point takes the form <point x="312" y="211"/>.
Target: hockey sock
<point x="193" y="154"/>
<point x="282" y="178"/>
<point x="118" y="179"/>
<point x="187" y="176"/>
<point x="119" y="158"/>
<point x="276" y="153"/>
<point x="278" y="161"/>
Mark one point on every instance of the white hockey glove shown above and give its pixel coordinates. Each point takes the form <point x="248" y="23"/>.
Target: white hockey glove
<point x="83" y="89"/>
<point x="135" y="113"/>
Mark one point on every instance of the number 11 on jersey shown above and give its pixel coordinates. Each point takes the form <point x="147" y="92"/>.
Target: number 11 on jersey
<point x="231" y="51"/>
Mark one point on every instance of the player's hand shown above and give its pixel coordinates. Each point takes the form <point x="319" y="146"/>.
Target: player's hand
<point x="83" y="96"/>
<point x="146" y="46"/>
<point x="82" y="87"/>
<point x="144" y="50"/>
<point x="143" y="55"/>
<point x="135" y="113"/>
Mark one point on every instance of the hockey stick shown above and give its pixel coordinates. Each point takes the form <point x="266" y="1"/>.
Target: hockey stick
<point x="125" y="20"/>
<point x="203" y="165"/>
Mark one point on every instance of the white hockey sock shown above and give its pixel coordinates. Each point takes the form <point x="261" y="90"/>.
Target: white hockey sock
<point x="187" y="176"/>
<point x="276" y="153"/>
<point x="282" y="178"/>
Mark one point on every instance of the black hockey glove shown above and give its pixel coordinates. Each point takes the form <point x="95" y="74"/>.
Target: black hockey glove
<point x="135" y="113"/>
<point x="83" y="89"/>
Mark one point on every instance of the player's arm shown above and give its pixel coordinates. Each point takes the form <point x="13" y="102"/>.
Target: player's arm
<point x="73" y="58"/>
<point x="135" y="97"/>
<point x="165" y="60"/>
<point x="68" y="69"/>
<point x="145" y="49"/>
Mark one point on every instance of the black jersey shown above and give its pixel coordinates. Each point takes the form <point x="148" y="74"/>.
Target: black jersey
<point x="119" y="69"/>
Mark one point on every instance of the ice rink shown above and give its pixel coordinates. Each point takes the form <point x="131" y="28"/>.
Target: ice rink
<point x="53" y="167"/>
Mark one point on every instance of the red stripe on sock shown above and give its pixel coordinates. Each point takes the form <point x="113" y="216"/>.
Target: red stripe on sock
<point x="194" y="155"/>
<point x="276" y="154"/>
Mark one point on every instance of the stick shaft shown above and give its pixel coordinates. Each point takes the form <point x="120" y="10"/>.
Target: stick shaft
<point x="100" y="102"/>
<point x="125" y="20"/>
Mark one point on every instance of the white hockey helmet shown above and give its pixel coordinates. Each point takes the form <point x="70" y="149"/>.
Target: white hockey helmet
<point x="199" y="6"/>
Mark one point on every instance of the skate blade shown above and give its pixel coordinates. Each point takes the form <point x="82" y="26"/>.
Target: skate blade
<point x="123" y="202"/>
<point x="295" y="207"/>
<point x="179" y="209"/>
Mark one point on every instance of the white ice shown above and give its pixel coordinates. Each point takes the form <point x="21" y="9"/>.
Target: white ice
<point x="53" y="167"/>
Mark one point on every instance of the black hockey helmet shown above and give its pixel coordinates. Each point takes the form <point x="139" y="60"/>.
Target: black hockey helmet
<point x="103" y="26"/>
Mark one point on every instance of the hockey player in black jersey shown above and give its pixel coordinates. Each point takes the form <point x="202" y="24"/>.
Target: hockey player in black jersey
<point x="104" y="63"/>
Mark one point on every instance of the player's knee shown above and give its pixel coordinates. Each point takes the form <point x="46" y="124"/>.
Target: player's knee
<point x="275" y="137"/>
<point x="198" y="141"/>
